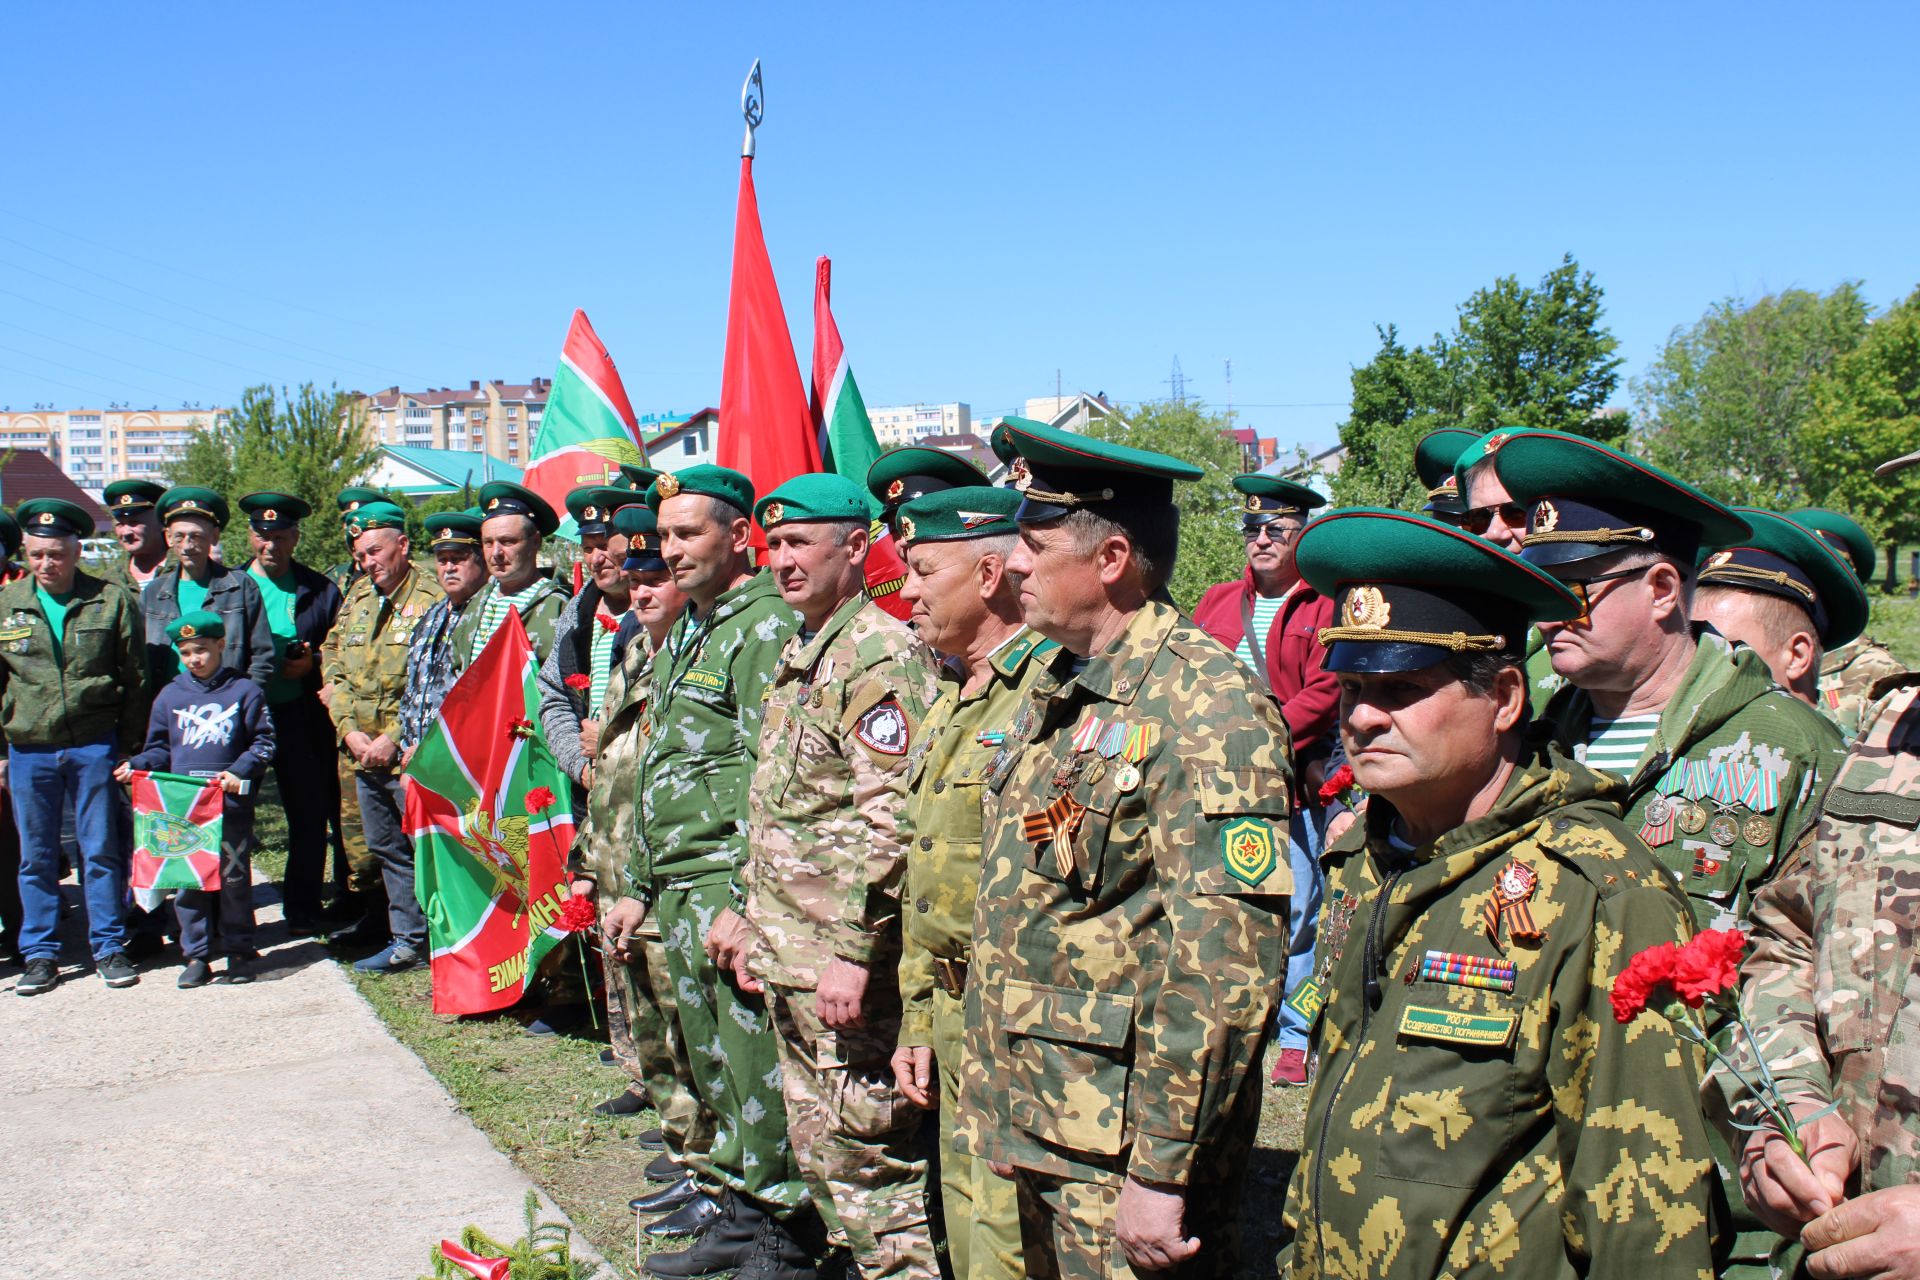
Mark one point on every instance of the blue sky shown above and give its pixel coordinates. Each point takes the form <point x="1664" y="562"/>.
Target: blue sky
<point x="201" y="197"/>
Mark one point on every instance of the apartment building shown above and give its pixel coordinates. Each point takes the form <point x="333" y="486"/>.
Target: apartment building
<point x="94" y="446"/>
<point x="898" y="424"/>
<point x="496" y="417"/>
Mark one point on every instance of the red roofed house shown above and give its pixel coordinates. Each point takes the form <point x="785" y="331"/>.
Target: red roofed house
<point x="26" y="474"/>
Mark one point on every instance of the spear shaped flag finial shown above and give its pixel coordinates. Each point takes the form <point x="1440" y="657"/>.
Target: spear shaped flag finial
<point x="753" y="105"/>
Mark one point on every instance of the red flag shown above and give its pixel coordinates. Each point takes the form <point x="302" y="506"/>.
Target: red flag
<point x="765" y="430"/>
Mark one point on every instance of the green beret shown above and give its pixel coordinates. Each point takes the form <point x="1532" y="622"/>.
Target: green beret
<point x="54" y="517"/>
<point x="1844" y="534"/>
<point x="809" y="499"/>
<point x="1058" y="472"/>
<point x="642" y="530"/>
<point x="637" y="478"/>
<point x="453" y="529"/>
<point x="192" y="500"/>
<point x="955" y="515"/>
<point x="1590" y="500"/>
<point x="1788" y="560"/>
<point x="375" y="515"/>
<point x="899" y="476"/>
<point x="198" y="624"/>
<point x="724" y="483"/>
<point x="1476" y="452"/>
<point x="355" y="496"/>
<point x="592" y="507"/>
<point x="1269" y="497"/>
<point x="270" y="510"/>
<point x="1412" y="592"/>
<point x="1434" y="458"/>
<point x="504" y="498"/>
<point x="9" y="536"/>
<point x="126" y="499"/>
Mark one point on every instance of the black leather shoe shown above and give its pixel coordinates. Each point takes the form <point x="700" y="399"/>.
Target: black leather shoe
<point x="652" y="1140"/>
<point x="667" y="1198"/>
<point x="690" y="1219"/>
<point x="625" y="1104"/>
<point x="664" y="1169"/>
<point x="724" y="1246"/>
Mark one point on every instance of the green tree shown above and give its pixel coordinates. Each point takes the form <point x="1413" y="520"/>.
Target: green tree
<point x="1725" y="401"/>
<point x="1211" y="549"/>
<point x="1537" y="355"/>
<point x="1866" y="409"/>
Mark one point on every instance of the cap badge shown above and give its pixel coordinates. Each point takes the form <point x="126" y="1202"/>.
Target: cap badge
<point x="895" y="489"/>
<point x="1022" y="474"/>
<point x="1366" y="607"/>
<point x="907" y="530"/>
<point x="492" y="503"/>
<point x="638" y="542"/>
<point x="1546" y="517"/>
<point x="776" y="512"/>
<point x="269" y="514"/>
<point x="1495" y="445"/>
<point x="355" y="529"/>
<point x="187" y="632"/>
<point x="1451" y="484"/>
<point x="1719" y="558"/>
<point x="1253" y="502"/>
<point x="668" y="484"/>
<point x="354" y="505"/>
<point x="589" y="513"/>
<point x="46" y="517"/>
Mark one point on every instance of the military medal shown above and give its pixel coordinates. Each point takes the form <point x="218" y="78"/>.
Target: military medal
<point x="1657" y="828"/>
<point x="1513" y="888"/>
<point x="1659" y="809"/>
<point x="1127" y="777"/>
<point x="1723" y="831"/>
<point x="1757" y="831"/>
<point x="1095" y="771"/>
<point x="1692" y="818"/>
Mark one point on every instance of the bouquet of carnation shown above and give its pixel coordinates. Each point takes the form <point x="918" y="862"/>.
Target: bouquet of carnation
<point x="1339" y="786"/>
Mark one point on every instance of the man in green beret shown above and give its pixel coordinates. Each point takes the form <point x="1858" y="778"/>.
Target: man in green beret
<point x="1434" y="459"/>
<point x="1785" y="594"/>
<point x="1850" y="672"/>
<point x="1489" y="511"/>
<point x="347" y="574"/>
<point x="1722" y="766"/>
<point x="73" y="703"/>
<point x="301" y="605"/>
<point x="966" y="607"/>
<point x="899" y="476"/>
<point x="1270" y="618"/>
<point x="1142" y="802"/>
<point x="710" y="679"/>
<point x="1476" y="1107"/>
<point x="819" y="924"/>
<point x="513" y="520"/>
<point x="365" y="663"/>
<point x="136" y="525"/>
<point x="193" y="518"/>
<point x="573" y="680"/>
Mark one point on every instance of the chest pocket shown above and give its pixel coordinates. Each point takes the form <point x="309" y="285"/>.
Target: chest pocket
<point x="1448" y="1106"/>
<point x="1068" y="1066"/>
<point x="1714" y="873"/>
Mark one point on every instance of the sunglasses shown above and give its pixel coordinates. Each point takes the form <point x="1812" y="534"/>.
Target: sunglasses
<point x="1477" y="520"/>
<point x="1272" y="530"/>
<point x="1586" y="597"/>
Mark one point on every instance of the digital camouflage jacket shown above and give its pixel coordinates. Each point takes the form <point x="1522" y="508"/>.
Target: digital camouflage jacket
<point x="365" y="659"/>
<point x="1132" y="920"/>
<point x="89" y="684"/>
<point x="1475" y="1108"/>
<point x="1847" y="677"/>
<point x="1830" y="984"/>
<point x="607" y="835"/>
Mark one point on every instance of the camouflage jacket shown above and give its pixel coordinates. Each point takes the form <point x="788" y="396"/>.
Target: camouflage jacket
<point x="1830" y="984"/>
<point x="540" y="609"/>
<point x="945" y="818"/>
<point x="607" y="834"/>
<point x="702" y="727"/>
<point x="90" y="686"/>
<point x="430" y="670"/>
<point x="365" y="659"/>
<point x="1847" y="677"/>
<point x="1734" y="771"/>
<point x="1132" y="920"/>
<point x="1457" y="1128"/>
<point x="825" y="851"/>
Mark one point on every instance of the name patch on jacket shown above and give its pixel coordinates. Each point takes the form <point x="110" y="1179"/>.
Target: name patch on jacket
<point x="1488" y="1030"/>
<point x="703" y="679"/>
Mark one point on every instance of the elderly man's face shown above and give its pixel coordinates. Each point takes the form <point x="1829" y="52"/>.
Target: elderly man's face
<point x="1408" y="732"/>
<point x="52" y="561"/>
<point x="274" y="550"/>
<point x="942" y="591"/>
<point x="511" y="545"/>
<point x="1060" y="588"/>
<point x="656" y="600"/>
<point x="604" y="553"/>
<point x="191" y="540"/>
<point x="815" y="565"/>
<point x="140" y="533"/>
<point x="383" y="555"/>
<point x="1270" y="545"/>
<point x="460" y="571"/>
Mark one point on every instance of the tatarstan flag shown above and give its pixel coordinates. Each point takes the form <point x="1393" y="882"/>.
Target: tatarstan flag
<point x="588" y="428"/>
<point x="176" y="835"/>
<point x="490" y="816"/>
<point x="847" y="442"/>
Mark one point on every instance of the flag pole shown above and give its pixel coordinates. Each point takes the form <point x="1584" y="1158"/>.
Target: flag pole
<point x="753" y="105"/>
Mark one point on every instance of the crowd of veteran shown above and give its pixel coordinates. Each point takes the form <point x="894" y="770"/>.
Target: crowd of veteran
<point x="963" y="938"/>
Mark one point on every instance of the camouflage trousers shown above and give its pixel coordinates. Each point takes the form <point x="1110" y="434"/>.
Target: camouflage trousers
<point x="361" y="874"/>
<point x="734" y="1053"/>
<point x="982" y="1208"/>
<point x="856" y="1136"/>
<point x="649" y="1047"/>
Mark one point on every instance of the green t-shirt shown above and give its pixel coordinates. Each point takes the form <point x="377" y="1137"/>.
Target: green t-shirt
<point x="55" y="607"/>
<point x="191" y="595"/>
<point x="277" y="595"/>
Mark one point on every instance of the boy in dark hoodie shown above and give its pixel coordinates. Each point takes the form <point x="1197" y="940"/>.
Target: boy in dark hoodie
<point x="210" y="722"/>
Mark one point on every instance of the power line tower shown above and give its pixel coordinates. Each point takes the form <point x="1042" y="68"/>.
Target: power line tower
<point x="1178" y="382"/>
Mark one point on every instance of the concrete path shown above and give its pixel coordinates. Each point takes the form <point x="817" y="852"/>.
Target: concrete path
<point x="270" y="1130"/>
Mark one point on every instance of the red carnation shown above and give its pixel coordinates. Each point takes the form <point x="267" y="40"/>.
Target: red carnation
<point x="576" y="917"/>
<point x="1337" y="785"/>
<point x="579" y="681"/>
<point x="1645" y="971"/>
<point x="607" y="621"/>
<point x="1708" y="965"/>
<point x="539" y="800"/>
<point x="520" y="728"/>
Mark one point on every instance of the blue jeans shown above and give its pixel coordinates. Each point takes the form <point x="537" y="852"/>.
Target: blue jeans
<point x="42" y="780"/>
<point x="1308" y="835"/>
<point x="381" y="802"/>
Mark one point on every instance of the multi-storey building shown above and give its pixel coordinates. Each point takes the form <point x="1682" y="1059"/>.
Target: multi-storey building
<point x="94" y="446"/>
<point x="496" y="417"/>
<point x="898" y="424"/>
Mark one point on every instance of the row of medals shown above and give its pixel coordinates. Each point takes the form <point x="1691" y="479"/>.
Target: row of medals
<point x="1692" y="818"/>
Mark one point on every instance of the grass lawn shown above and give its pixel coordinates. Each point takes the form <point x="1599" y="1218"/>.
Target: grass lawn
<point x="1895" y="622"/>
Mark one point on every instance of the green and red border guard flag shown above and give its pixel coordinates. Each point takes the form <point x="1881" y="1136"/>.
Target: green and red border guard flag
<point x="847" y="443"/>
<point x="489" y="812"/>
<point x="588" y="428"/>
<point x="176" y="835"/>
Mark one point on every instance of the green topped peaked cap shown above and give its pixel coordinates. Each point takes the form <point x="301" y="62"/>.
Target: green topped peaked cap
<point x="641" y="528"/>
<point x="901" y="475"/>
<point x="592" y="507"/>
<point x="197" y="624"/>
<point x="1786" y="559"/>
<point x="1844" y="534"/>
<point x="724" y="483"/>
<point x="9" y="536"/>
<point x="812" y="498"/>
<point x="54" y="517"/>
<point x="1059" y="472"/>
<point x="126" y="499"/>
<point x="192" y="500"/>
<point x="355" y="496"/>
<point x="1433" y="461"/>
<point x="1413" y="592"/>
<point x="375" y="515"/>
<point x="1590" y="500"/>
<point x="270" y="510"/>
<point x="453" y="529"/>
<point x="637" y="478"/>
<point x="955" y="515"/>
<point x="1270" y="497"/>
<point x="505" y="498"/>
<point x="1476" y="452"/>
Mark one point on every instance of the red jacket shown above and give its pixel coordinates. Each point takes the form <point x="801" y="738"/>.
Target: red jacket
<point x="1308" y="693"/>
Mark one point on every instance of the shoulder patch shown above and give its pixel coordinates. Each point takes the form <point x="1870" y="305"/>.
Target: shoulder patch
<point x="1249" y="850"/>
<point x="883" y="729"/>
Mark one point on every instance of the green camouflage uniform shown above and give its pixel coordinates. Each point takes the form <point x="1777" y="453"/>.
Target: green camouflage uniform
<point x="641" y="1023"/>
<point x="86" y="685"/>
<point x="1847" y="677"/>
<point x="365" y="656"/>
<point x="944" y="825"/>
<point x="1133" y="920"/>
<point x="1830" y="983"/>
<point x="363" y="869"/>
<point x="823" y="883"/>
<point x="1749" y="760"/>
<point x="702" y="729"/>
<point x="1456" y="1129"/>
<point x="539" y="614"/>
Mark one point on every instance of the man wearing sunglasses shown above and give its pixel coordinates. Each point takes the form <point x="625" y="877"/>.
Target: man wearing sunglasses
<point x="1723" y="767"/>
<point x="1270" y="619"/>
<point x="1488" y="511"/>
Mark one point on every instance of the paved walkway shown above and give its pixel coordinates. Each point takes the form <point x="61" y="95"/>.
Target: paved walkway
<point x="265" y="1130"/>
